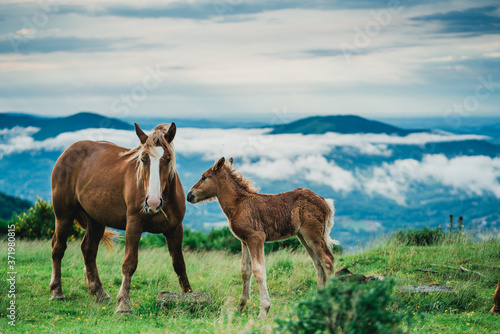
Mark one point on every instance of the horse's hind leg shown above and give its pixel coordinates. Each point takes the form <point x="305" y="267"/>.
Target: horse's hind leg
<point x="90" y="246"/>
<point x="59" y="239"/>
<point x="317" y="264"/>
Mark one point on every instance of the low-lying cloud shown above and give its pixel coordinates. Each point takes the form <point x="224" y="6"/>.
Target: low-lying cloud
<point x="302" y="157"/>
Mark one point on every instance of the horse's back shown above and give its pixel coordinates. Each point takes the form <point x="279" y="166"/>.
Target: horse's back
<point x="75" y="165"/>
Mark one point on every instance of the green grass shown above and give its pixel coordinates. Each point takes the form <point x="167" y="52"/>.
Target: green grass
<point x="290" y="274"/>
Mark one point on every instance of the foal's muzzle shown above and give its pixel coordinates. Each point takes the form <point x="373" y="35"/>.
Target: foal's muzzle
<point x="148" y="209"/>
<point x="190" y="196"/>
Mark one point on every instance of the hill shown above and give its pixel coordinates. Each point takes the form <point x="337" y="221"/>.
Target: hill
<point x="342" y="124"/>
<point x="10" y="205"/>
<point x="51" y="127"/>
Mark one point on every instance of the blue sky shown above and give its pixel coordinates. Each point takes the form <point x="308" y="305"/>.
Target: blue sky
<point x="250" y="59"/>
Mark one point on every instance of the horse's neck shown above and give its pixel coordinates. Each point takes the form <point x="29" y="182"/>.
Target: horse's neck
<point x="230" y="197"/>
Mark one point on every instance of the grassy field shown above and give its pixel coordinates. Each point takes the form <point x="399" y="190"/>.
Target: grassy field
<point x="291" y="277"/>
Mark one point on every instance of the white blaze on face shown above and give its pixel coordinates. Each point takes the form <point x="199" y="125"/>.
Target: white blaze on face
<point x="154" y="190"/>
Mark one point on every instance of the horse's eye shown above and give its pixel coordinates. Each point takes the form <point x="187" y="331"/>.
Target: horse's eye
<point x="144" y="160"/>
<point x="203" y="177"/>
<point x="167" y="160"/>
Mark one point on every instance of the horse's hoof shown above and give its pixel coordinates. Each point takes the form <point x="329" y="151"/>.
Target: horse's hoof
<point x="123" y="311"/>
<point x="495" y="310"/>
<point x="123" y="308"/>
<point x="58" y="298"/>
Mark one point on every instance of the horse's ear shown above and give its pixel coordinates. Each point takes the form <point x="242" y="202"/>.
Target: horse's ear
<point x="231" y="161"/>
<point x="219" y="164"/>
<point x="142" y="136"/>
<point x="169" y="136"/>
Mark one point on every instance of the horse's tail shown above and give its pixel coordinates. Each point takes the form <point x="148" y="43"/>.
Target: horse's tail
<point x="329" y="223"/>
<point x="107" y="238"/>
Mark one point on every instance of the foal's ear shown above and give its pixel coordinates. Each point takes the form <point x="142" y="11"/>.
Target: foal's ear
<point x="142" y="136"/>
<point x="219" y="164"/>
<point x="169" y="136"/>
<point x="231" y="161"/>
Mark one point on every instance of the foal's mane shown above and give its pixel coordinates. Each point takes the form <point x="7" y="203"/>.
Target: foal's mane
<point x="157" y="137"/>
<point x="240" y="180"/>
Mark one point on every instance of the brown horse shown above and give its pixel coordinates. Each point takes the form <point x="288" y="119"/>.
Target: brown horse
<point x="98" y="184"/>
<point x="256" y="218"/>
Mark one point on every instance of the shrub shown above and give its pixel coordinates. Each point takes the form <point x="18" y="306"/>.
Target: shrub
<point x="422" y="237"/>
<point x="39" y="223"/>
<point x="345" y="306"/>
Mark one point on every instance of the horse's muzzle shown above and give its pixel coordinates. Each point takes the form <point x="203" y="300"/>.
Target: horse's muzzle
<point x="190" y="197"/>
<point x="148" y="209"/>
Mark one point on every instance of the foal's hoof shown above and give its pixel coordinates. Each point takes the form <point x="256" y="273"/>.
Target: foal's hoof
<point x="103" y="299"/>
<point x="495" y="310"/>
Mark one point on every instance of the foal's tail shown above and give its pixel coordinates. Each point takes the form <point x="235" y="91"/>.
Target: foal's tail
<point x="329" y="223"/>
<point x="107" y="238"/>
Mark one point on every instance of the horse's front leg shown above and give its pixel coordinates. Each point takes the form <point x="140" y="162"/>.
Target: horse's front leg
<point x="174" y="243"/>
<point x="246" y="275"/>
<point x="132" y="236"/>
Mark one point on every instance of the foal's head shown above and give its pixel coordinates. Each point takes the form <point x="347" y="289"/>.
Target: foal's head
<point x="207" y="187"/>
<point x="155" y="163"/>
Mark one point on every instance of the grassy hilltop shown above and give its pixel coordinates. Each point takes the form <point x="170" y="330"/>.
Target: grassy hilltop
<point x="291" y="278"/>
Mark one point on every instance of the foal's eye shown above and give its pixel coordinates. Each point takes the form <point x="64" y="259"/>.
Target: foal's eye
<point x="203" y="177"/>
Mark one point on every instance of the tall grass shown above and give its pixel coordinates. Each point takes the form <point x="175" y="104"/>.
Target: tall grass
<point x="291" y="278"/>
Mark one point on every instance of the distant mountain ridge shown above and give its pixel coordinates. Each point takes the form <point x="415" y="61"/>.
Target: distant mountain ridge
<point x="345" y="124"/>
<point x="10" y="205"/>
<point x="51" y="127"/>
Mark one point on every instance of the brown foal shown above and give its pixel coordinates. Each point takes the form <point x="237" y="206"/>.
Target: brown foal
<point x="257" y="218"/>
<point x="98" y="184"/>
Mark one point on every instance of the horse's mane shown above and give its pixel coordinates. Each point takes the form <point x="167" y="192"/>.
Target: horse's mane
<point x="241" y="181"/>
<point x="156" y="137"/>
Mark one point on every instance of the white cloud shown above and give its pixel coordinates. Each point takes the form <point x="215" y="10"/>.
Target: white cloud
<point x="469" y="174"/>
<point x="297" y="156"/>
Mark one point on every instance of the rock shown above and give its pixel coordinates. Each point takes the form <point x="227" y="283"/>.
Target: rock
<point x="427" y="288"/>
<point x="165" y="298"/>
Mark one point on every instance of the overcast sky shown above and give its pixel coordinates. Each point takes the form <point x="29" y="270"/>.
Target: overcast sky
<point x="233" y="58"/>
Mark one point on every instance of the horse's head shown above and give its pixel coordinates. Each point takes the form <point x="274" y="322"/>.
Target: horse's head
<point x="157" y="164"/>
<point x="207" y="187"/>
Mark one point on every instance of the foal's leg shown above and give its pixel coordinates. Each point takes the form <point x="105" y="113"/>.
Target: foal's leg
<point x="132" y="236"/>
<point x="496" y="299"/>
<point x="246" y="275"/>
<point x="255" y="245"/>
<point x="316" y="241"/>
<point x="317" y="264"/>
<point x="90" y="245"/>
<point x="59" y="239"/>
<point x="174" y="243"/>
